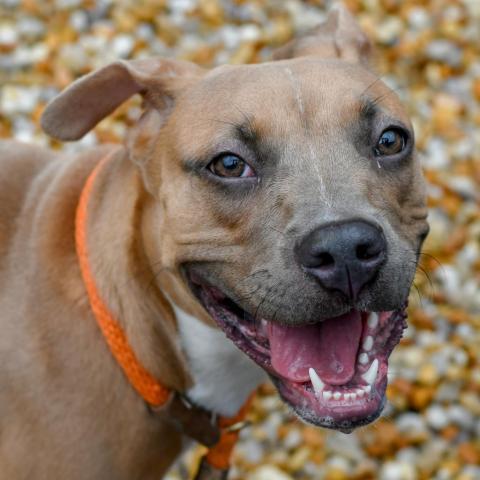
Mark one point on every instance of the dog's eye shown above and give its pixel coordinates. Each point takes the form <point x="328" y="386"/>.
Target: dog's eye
<point x="231" y="166"/>
<point x="391" y="141"/>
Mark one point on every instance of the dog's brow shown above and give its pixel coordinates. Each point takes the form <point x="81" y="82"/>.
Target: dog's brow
<point x="368" y="109"/>
<point x="246" y="133"/>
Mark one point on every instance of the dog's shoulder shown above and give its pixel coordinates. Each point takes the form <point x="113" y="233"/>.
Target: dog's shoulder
<point x="28" y="175"/>
<point x="20" y="163"/>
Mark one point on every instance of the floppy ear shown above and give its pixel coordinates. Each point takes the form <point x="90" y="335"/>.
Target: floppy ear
<point x="339" y="37"/>
<point x="91" y="98"/>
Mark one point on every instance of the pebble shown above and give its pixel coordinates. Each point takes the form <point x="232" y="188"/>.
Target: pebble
<point x="8" y="35"/>
<point x="79" y="20"/>
<point x="436" y="417"/>
<point x="413" y="425"/>
<point x="387" y="32"/>
<point x="293" y="439"/>
<point x="18" y="100"/>
<point x="269" y="472"/>
<point x="436" y="154"/>
<point x="397" y="471"/>
<point x="444" y="51"/>
<point x="419" y="18"/>
<point x="122" y="45"/>
<point x="461" y="416"/>
<point x="30" y="28"/>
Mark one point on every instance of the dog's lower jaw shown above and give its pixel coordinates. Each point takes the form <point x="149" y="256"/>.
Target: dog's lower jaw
<point x="224" y="377"/>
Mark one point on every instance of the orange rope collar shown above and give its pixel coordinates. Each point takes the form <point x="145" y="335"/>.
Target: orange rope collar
<point x="147" y="387"/>
<point x="153" y="392"/>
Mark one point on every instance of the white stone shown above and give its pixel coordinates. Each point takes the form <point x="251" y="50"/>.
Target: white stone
<point x="436" y="155"/>
<point x="461" y="417"/>
<point x="122" y="45"/>
<point x="389" y="30"/>
<point x="396" y="470"/>
<point x="419" y="18"/>
<point x="269" y="472"/>
<point x="15" y="99"/>
<point x="30" y="28"/>
<point x="293" y="439"/>
<point x="411" y="423"/>
<point x="79" y="20"/>
<point x="437" y="417"/>
<point x="8" y="34"/>
<point x="444" y="51"/>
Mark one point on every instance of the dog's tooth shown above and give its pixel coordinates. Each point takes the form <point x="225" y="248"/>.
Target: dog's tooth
<point x="363" y="358"/>
<point x="368" y="343"/>
<point x="371" y="374"/>
<point x="337" y="395"/>
<point x="360" y="392"/>
<point x="367" y="388"/>
<point x="372" y="320"/>
<point x="317" y="383"/>
<point x="327" y="394"/>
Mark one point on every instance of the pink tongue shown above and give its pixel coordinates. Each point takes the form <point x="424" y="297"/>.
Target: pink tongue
<point x="330" y="347"/>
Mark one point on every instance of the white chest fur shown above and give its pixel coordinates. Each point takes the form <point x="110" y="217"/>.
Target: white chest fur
<point x="224" y="376"/>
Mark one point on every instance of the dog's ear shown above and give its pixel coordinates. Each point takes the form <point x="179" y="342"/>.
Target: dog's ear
<point x="339" y="37"/>
<point x="91" y="98"/>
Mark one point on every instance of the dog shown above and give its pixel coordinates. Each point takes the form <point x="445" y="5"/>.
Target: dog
<point x="260" y="221"/>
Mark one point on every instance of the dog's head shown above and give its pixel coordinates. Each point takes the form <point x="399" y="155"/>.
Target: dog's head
<point x="287" y="198"/>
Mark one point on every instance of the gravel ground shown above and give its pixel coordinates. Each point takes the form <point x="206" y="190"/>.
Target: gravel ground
<point x="429" y="51"/>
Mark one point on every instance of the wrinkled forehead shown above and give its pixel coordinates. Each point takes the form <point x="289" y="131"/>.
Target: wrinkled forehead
<point x="285" y="98"/>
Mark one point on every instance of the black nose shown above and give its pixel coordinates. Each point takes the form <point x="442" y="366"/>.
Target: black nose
<point x="343" y="256"/>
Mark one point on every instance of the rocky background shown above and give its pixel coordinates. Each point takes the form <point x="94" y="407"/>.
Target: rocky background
<point x="429" y="51"/>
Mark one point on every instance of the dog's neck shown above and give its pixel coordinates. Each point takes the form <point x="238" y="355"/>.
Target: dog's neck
<point x="123" y="276"/>
<point x="177" y="348"/>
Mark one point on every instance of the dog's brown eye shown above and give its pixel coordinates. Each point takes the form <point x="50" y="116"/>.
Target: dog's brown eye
<point x="391" y="141"/>
<point x="231" y="166"/>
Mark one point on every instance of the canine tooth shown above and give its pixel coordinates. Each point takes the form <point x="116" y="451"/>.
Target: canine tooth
<point x="360" y="392"/>
<point x="337" y="395"/>
<point x="372" y="320"/>
<point x="371" y="374"/>
<point x="327" y="394"/>
<point x="367" y="388"/>
<point x="317" y="383"/>
<point x="363" y="358"/>
<point x="368" y="343"/>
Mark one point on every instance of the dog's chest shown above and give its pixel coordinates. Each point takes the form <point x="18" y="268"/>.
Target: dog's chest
<point x="224" y="376"/>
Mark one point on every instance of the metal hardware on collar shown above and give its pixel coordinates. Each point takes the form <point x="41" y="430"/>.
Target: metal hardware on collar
<point x="190" y="420"/>
<point x="238" y="426"/>
<point x="193" y="421"/>
<point x="185" y="401"/>
<point x="207" y="472"/>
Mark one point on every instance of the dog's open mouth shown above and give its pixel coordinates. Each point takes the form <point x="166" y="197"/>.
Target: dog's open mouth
<point x="333" y="373"/>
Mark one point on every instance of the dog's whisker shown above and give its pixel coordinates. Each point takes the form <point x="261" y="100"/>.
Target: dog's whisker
<point x="378" y="79"/>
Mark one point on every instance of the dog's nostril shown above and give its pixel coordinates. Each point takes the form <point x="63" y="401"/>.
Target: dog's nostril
<point x="325" y="260"/>
<point x="367" y="252"/>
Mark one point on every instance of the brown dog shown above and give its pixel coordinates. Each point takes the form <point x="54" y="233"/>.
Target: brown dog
<point x="281" y="204"/>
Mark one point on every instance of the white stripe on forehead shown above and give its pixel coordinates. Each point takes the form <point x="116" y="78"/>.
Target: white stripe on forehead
<point x="296" y="88"/>
<point x="322" y="191"/>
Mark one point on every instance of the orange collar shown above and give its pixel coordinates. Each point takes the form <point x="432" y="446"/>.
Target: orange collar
<point x="151" y="390"/>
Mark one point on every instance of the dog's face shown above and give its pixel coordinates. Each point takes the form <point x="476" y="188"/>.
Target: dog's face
<point x="269" y="176"/>
<point x="288" y="199"/>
